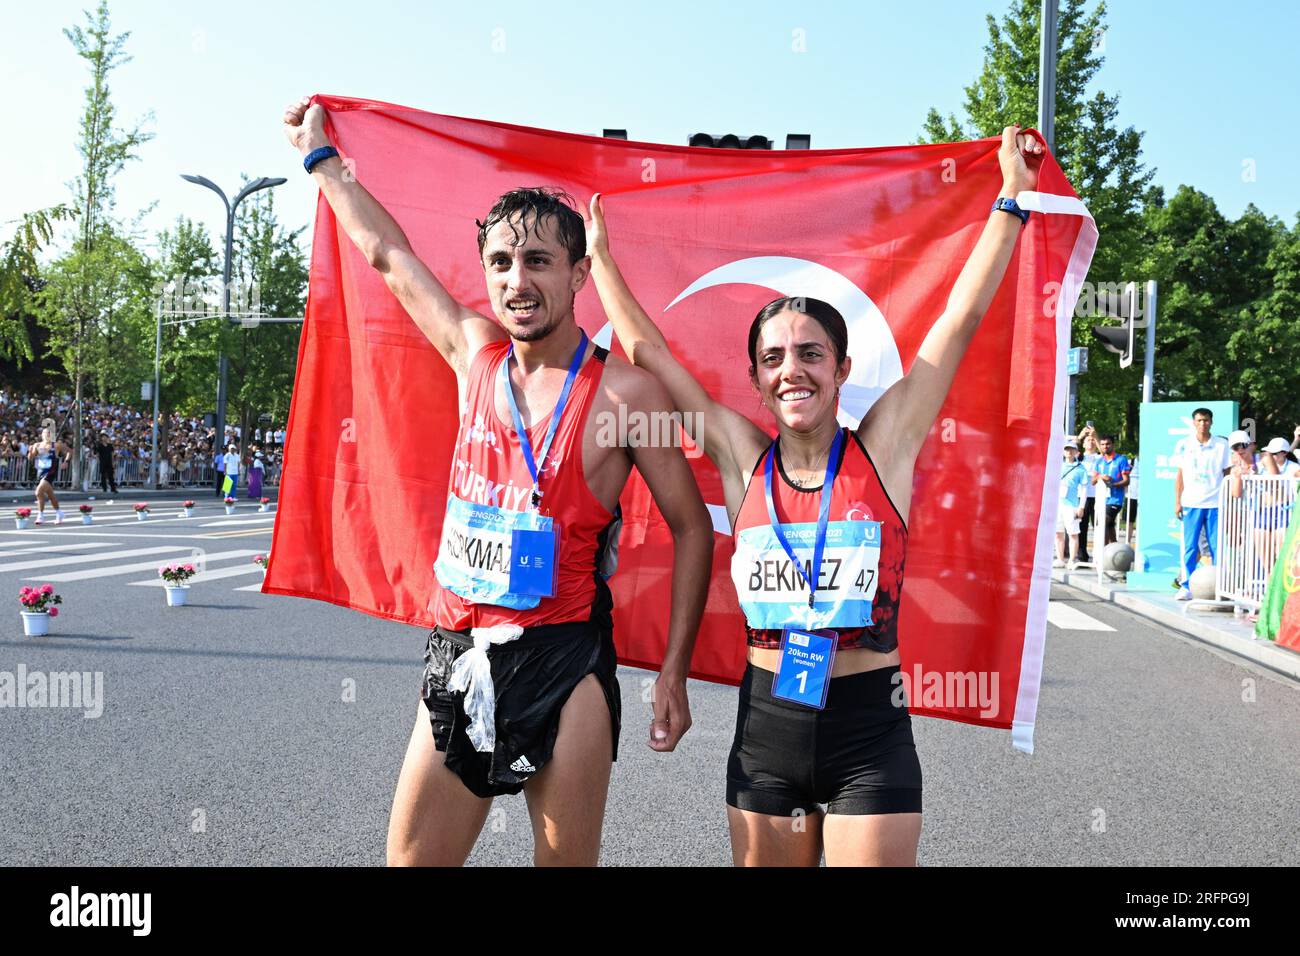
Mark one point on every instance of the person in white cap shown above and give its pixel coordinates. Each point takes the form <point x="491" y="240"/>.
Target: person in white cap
<point x="1074" y="488"/>
<point x="1278" y="460"/>
<point x="1202" y="460"/>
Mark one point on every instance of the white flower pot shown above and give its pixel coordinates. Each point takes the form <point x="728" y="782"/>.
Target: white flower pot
<point x="21" y="523"/>
<point x="85" y="519"/>
<point x="188" y="512"/>
<point x="141" y="515"/>
<point x="230" y="509"/>
<point x="36" y="623"/>
<point x="263" y="507"/>
<point x="176" y="594"/>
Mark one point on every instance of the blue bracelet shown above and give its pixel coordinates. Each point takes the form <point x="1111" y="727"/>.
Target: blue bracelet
<point x="1009" y="205"/>
<point x="318" y="156"/>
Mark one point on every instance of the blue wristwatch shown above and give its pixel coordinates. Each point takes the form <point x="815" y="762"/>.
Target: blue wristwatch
<point x="318" y="156"/>
<point x="1009" y="205"/>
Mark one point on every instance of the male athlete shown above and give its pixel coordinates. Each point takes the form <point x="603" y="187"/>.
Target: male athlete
<point x="527" y="534"/>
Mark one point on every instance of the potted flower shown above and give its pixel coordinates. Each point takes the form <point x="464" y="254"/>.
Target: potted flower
<point x="261" y="560"/>
<point x="20" y="517"/>
<point x="189" y="508"/>
<point x="85" y="513"/>
<point x="264" y="504"/>
<point x="230" y="505"/>
<point x="174" y="577"/>
<point x="38" y="608"/>
<point x="141" y="511"/>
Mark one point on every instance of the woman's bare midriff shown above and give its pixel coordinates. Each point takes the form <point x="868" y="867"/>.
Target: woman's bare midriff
<point x="851" y="661"/>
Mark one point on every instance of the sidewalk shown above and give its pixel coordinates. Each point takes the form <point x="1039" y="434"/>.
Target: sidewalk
<point x="1221" y="628"/>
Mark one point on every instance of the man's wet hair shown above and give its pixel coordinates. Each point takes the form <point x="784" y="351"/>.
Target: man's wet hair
<point x="826" y="315"/>
<point x="528" y="207"/>
<point x="1204" y="411"/>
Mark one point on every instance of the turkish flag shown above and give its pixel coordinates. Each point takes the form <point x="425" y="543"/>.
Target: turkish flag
<point x="705" y="238"/>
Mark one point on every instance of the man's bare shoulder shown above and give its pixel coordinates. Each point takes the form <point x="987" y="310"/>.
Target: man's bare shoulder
<point x="624" y="383"/>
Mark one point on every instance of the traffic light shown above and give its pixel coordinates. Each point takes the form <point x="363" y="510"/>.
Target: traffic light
<point x="1119" y="339"/>
<point x="729" y="141"/>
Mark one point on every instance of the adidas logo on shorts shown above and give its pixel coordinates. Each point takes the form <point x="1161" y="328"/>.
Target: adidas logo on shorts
<point x="523" y="766"/>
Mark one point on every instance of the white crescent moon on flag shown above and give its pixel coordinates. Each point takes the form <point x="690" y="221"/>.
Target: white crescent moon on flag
<point x="876" y="364"/>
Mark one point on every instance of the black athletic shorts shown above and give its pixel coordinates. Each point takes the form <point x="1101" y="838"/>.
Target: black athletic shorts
<point x="533" y="677"/>
<point x="856" y="755"/>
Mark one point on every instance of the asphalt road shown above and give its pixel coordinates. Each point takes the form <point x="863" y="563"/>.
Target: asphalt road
<point x="257" y="729"/>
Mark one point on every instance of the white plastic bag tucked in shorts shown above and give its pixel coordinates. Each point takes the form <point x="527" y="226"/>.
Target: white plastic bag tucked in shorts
<point x="472" y="674"/>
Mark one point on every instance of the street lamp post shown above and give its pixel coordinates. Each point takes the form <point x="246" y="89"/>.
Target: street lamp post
<point x="249" y="188"/>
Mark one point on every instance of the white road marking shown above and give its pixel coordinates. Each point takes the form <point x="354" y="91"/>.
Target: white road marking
<point x="233" y="520"/>
<point x="207" y="575"/>
<point x="139" y="566"/>
<point x="87" y="558"/>
<point x="1069" y="618"/>
<point x="43" y="548"/>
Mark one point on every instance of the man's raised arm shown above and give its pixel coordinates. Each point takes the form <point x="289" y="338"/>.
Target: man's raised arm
<point x="455" y="331"/>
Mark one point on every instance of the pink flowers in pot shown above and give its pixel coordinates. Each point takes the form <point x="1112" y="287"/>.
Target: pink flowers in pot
<point x="86" y="509"/>
<point x="23" y="512"/>
<point x="40" y="600"/>
<point x="141" y="506"/>
<point x="176" y="574"/>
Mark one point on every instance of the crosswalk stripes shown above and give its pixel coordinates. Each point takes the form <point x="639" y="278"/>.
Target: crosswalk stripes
<point x="116" y="569"/>
<point x="1069" y="618"/>
<point x="210" y="574"/>
<point x="89" y="558"/>
<point x="42" y="548"/>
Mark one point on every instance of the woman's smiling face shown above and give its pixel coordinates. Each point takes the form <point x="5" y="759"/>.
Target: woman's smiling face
<point x="796" y="371"/>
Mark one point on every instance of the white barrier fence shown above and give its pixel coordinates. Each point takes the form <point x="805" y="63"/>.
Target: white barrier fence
<point x="17" y="472"/>
<point x="1251" y="528"/>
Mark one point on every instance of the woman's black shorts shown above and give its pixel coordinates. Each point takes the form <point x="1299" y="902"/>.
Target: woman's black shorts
<point x="856" y="755"/>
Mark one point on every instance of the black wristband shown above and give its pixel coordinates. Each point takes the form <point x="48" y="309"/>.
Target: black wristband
<point x="318" y="156"/>
<point x="1009" y="205"/>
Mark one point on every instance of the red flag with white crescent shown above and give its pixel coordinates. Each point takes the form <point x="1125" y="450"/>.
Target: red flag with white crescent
<point x="705" y="238"/>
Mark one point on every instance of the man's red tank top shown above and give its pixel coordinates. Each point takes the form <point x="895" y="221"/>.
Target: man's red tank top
<point x="488" y="467"/>
<point x="856" y="496"/>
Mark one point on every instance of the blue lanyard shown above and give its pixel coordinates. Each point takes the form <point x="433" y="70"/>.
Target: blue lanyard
<point x="823" y="515"/>
<point x="556" y="415"/>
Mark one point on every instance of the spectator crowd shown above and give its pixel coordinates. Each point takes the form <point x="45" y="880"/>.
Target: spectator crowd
<point x="117" y="442"/>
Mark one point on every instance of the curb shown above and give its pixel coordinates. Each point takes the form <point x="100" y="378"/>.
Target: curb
<point x="1262" y="652"/>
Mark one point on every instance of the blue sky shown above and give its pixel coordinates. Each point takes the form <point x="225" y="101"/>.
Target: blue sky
<point x="1212" y="85"/>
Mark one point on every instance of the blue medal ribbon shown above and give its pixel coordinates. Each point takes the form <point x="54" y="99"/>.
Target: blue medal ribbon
<point x="556" y="415"/>
<point x="823" y="515"/>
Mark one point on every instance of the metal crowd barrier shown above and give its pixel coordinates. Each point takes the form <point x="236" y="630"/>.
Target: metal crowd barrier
<point x="1251" y="529"/>
<point x="16" y="472"/>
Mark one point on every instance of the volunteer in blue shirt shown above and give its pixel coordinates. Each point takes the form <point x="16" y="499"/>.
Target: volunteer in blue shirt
<point x="1074" y="488"/>
<point x="1113" y="472"/>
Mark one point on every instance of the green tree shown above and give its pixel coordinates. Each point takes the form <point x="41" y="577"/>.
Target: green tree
<point x="263" y="357"/>
<point x="1264" y="348"/>
<point x="19" y="272"/>
<point x="1101" y="161"/>
<point x="80" y="336"/>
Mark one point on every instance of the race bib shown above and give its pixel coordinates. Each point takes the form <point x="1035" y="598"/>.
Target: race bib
<point x="44" y="461"/>
<point x="773" y="593"/>
<point x="476" y="555"/>
<point x="803" y="672"/>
